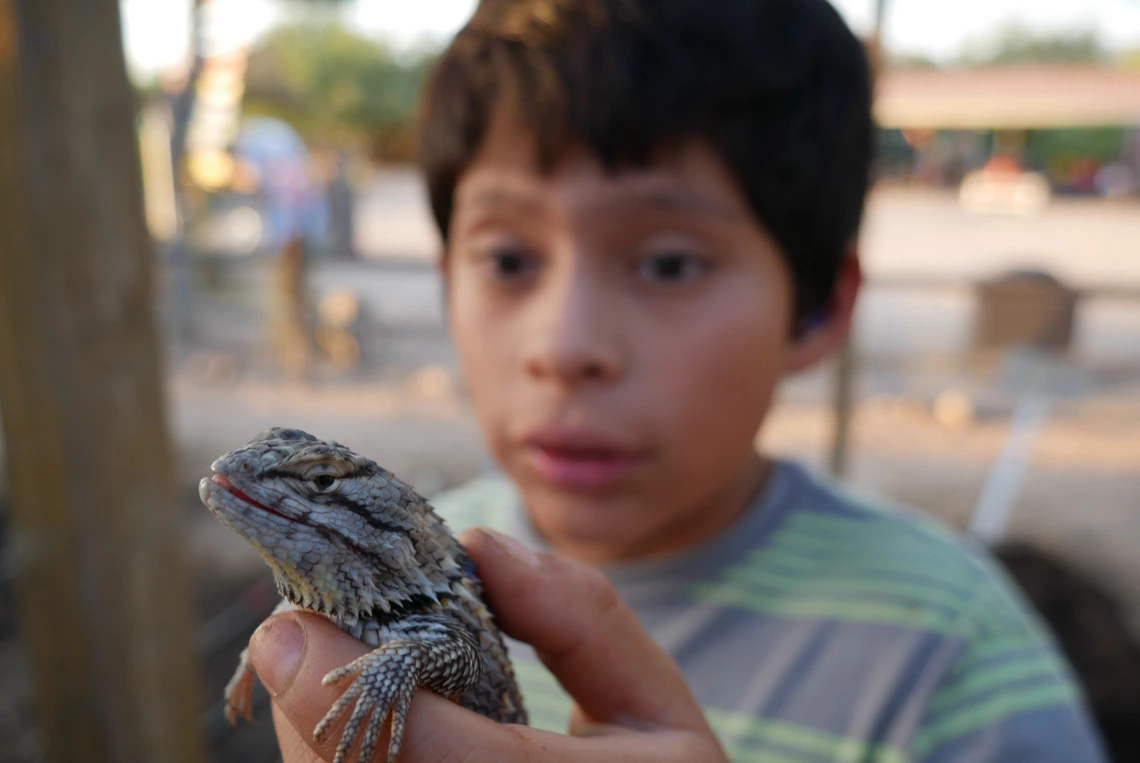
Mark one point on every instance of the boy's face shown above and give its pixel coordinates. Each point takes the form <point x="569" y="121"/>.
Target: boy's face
<point x="621" y="337"/>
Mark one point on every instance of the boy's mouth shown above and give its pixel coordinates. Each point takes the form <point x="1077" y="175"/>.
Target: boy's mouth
<point x="578" y="459"/>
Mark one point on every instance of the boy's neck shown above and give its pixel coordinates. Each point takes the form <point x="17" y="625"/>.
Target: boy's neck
<point x="703" y="523"/>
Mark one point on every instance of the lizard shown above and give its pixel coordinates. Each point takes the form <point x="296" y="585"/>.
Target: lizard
<point x="347" y="539"/>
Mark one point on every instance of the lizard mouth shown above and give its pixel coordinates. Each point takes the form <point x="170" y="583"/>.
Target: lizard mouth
<point x="233" y="490"/>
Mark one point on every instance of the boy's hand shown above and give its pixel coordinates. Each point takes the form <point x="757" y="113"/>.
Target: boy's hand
<point x="632" y="701"/>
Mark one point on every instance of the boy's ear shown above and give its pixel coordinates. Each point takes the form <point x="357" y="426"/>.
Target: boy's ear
<point x="829" y="330"/>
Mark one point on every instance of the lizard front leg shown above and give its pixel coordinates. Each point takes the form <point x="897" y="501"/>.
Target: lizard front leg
<point x="239" y="691"/>
<point x="432" y="651"/>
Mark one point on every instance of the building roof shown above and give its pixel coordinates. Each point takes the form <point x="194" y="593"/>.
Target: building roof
<point x="1015" y="97"/>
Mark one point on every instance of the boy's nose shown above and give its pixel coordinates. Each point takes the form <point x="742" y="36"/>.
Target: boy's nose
<point x="570" y="367"/>
<point x="573" y="338"/>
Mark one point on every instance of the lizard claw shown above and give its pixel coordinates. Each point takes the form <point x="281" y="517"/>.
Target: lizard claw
<point x="386" y="681"/>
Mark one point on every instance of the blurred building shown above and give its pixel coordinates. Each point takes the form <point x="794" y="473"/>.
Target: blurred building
<point x="1008" y="98"/>
<point x="1020" y="133"/>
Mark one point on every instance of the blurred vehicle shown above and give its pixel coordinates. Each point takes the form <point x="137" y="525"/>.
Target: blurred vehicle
<point x="1003" y="186"/>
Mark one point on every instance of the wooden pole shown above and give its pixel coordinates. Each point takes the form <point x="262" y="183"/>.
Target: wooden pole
<point x="843" y="401"/>
<point x="101" y="582"/>
<point x="290" y="319"/>
<point x="185" y="331"/>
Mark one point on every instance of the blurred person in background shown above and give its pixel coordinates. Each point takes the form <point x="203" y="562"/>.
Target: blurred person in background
<point x="650" y="211"/>
<point x="295" y="217"/>
<point x="281" y="170"/>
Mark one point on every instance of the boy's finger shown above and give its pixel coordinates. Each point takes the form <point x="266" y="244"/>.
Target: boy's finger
<point x="585" y="634"/>
<point x="521" y="744"/>
<point x="294" y="746"/>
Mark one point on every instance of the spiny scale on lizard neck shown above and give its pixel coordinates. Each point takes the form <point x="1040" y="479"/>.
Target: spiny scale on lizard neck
<point x="342" y="535"/>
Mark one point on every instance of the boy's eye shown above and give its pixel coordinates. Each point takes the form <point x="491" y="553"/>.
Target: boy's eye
<point x="672" y="267"/>
<point x="509" y="263"/>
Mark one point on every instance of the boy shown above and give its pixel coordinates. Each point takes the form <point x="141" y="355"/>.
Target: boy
<point x="650" y="209"/>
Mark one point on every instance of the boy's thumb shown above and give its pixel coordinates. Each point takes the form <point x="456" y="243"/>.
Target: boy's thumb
<point x="291" y="653"/>
<point x="276" y="649"/>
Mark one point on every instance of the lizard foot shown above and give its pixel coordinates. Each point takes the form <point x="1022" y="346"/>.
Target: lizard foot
<point x="386" y="681"/>
<point x="239" y="694"/>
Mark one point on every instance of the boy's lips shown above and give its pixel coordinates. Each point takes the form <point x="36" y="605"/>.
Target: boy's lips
<point x="579" y="459"/>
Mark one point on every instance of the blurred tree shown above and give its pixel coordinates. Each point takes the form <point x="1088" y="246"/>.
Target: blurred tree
<point x="910" y="61"/>
<point x="336" y="85"/>
<point x="1017" y="44"/>
<point x="104" y="603"/>
<point x="184" y="100"/>
<point x="1058" y="152"/>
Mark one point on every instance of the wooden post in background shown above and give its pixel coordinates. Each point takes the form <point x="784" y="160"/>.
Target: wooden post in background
<point x="101" y="584"/>
<point x="843" y="400"/>
<point x="292" y="328"/>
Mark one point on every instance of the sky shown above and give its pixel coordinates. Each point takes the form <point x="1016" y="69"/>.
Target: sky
<point x="156" y="31"/>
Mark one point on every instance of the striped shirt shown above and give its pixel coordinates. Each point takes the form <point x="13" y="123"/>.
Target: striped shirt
<point x="826" y="627"/>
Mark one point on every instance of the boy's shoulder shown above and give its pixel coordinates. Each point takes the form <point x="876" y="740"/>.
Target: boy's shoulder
<point x="1000" y="673"/>
<point x="861" y="527"/>
<point x="839" y="553"/>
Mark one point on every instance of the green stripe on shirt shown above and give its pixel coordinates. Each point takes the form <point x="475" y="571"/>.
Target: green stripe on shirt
<point x="833" y="608"/>
<point x="748" y="734"/>
<point x="853" y="537"/>
<point x="968" y="720"/>
<point x="791" y="561"/>
<point x="852" y="583"/>
<point x="1042" y="667"/>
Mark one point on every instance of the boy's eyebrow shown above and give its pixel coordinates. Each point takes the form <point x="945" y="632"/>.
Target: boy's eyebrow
<point x="497" y="197"/>
<point x="682" y="201"/>
<point x="662" y="198"/>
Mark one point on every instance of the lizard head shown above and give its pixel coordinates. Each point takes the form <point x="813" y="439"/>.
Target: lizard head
<point x="338" y="531"/>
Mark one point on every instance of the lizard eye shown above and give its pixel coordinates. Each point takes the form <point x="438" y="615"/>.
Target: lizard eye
<point x="324" y="481"/>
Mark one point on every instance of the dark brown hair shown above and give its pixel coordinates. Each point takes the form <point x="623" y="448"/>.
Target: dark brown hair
<point x="780" y="89"/>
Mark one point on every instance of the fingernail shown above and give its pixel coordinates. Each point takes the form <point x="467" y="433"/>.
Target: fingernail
<point x="513" y="548"/>
<point x="276" y="649"/>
